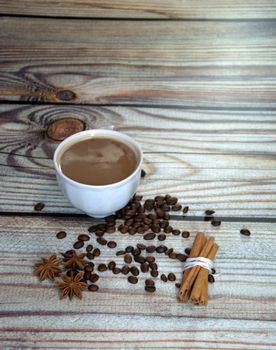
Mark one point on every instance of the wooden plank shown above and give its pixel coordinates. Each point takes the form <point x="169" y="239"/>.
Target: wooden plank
<point x="197" y="9"/>
<point x="239" y="314"/>
<point x="215" y="64"/>
<point x="219" y="159"/>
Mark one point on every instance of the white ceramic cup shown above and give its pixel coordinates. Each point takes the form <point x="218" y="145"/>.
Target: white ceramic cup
<point x="104" y="200"/>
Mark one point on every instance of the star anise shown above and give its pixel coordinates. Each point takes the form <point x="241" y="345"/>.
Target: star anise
<point x="71" y="286"/>
<point x="48" y="268"/>
<point x="74" y="261"/>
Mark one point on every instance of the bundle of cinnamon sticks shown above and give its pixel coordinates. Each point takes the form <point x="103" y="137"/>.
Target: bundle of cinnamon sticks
<point x="194" y="286"/>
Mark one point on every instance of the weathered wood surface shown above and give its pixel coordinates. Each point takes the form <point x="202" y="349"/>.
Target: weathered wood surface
<point x="219" y="159"/>
<point x="240" y="314"/>
<point x="215" y="64"/>
<point x="196" y="9"/>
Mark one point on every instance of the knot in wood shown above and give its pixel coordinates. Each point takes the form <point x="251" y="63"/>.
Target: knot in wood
<point x="62" y="128"/>
<point x="66" y="95"/>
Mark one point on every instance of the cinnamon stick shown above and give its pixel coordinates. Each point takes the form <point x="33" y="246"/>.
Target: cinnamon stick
<point x="199" y="294"/>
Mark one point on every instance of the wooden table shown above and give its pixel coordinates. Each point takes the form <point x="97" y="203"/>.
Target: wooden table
<point x="194" y="82"/>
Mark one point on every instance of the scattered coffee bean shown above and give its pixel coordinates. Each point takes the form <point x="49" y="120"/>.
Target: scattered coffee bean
<point x="150" y="249"/>
<point x="88" y="268"/>
<point x="93" y="228"/>
<point x="128" y="259"/>
<point x="134" y="270"/>
<point x="83" y="237"/>
<point x="61" y="234"/>
<point x="144" y="267"/>
<point x="143" y="173"/>
<point x="149" y="236"/>
<point x="181" y="257"/>
<point x="211" y="278"/>
<point x="150" y="259"/>
<point x="136" y="251"/>
<point x="94" y="278"/>
<point x="169" y="251"/>
<point x="123" y="229"/>
<point x="132" y="279"/>
<point x="90" y="256"/>
<point x="141" y="246"/>
<point x="185" y="210"/>
<point x="150" y="289"/>
<point x="102" y="267"/>
<point x="168" y="229"/>
<point x="245" y="232"/>
<point x="160" y="213"/>
<point x="155" y="228"/>
<point x="149" y="282"/>
<point x="89" y="248"/>
<point x="125" y="269"/>
<point x="93" y="288"/>
<point x="164" y="277"/>
<point x="171" y="277"/>
<point x="176" y="232"/>
<point x="178" y="285"/>
<point x="96" y="252"/>
<point x="129" y="249"/>
<point x="187" y="251"/>
<point x="161" y="249"/>
<point x="101" y="240"/>
<point x="185" y="234"/>
<point x="153" y="266"/>
<point x="111" y="265"/>
<point x="78" y="244"/>
<point x="209" y="212"/>
<point x="112" y="244"/>
<point x="116" y="270"/>
<point x="215" y="222"/>
<point x="120" y="252"/>
<point x="86" y="275"/>
<point x="161" y="237"/>
<point x="39" y="206"/>
<point x="176" y="207"/>
<point x="154" y="273"/>
<point x="140" y="259"/>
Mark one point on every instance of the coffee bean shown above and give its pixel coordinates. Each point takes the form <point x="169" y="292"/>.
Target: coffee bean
<point x="209" y="212"/>
<point x="78" y="244"/>
<point x="149" y="204"/>
<point x="125" y="270"/>
<point x="152" y="216"/>
<point x="155" y="228"/>
<point x="61" y="234"/>
<point x="211" y="278"/>
<point x="110" y="229"/>
<point x="176" y="207"/>
<point x="185" y="234"/>
<point x="161" y="249"/>
<point x="140" y="229"/>
<point x="96" y="252"/>
<point x="164" y="277"/>
<point x="123" y="229"/>
<point x="185" y="210"/>
<point x="90" y="256"/>
<point x="116" y="270"/>
<point x="140" y="259"/>
<point x="150" y="289"/>
<point x="110" y="218"/>
<point x="112" y="244"/>
<point x="132" y="231"/>
<point x="178" y="285"/>
<point x="143" y="173"/>
<point x="120" y="252"/>
<point x="159" y="199"/>
<point x="144" y="267"/>
<point x="137" y="198"/>
<point x="129" y="249"/>
<point x="153" y="266"/>
<point x="181" y="257"/>
<point x="102" y="267"/>
<point x="168" y="229"/>
<point x="150" y="249"/>
<point x="149" y="282"/>
<point x="176" y="232"/>
<point x="154" y="273"/>
<point x="160" y="213"/>
<point x="165" y="207"/>
<point x="39" y="206"/>
<point x="166" y="216"/>
<point x="89" y="248"/>
<point x="99" y="233"/>
<point x="141" y="246"/>
<point x="128" y="259"/>
<point x="92" y="228"/>
<point x="164" y="223"/>
<point x="86" y="275"/>
<point x="172" y="255"/>
<point x="111" y="265"/>
<point x="161" y="237"/>
<point x="132" y="279"/>
<point x="245" y="232"/>
<point x="169" y="251"/>
<point x="134" y="270"/>
<point x="93" y="288"/>
<point x="136" y="251"/>
<point x="150" y="259"/>
<point x="149" y="236"/>
<point x="94" y="277"/>
<point x="213" y="271"/>
<point x="88" y="268"/>
<point x="83" y="237"/>
<point x="171" y="277"/>
<point x="101" y="240"/>
<point x="208" y="218"/>
<point x="215" y="222"/>
<point x="187" y="251"/>
<point x="102" y="227"/>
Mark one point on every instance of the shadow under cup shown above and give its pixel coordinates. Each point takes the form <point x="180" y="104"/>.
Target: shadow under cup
<point x="99" y="200"/>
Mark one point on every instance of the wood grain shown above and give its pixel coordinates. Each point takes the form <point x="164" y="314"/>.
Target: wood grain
<point x="200" y="64"/>
<point x="239" y="314"/>
<point x="197" y="9"/>
<point x="219" y="159"/>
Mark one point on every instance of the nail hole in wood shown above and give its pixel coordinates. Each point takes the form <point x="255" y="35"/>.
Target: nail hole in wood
<point x="66" y="95"/>
<point x="60" y="129"/>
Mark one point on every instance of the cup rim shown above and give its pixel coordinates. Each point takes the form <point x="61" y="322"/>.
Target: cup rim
<point x="94" y="132"/>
